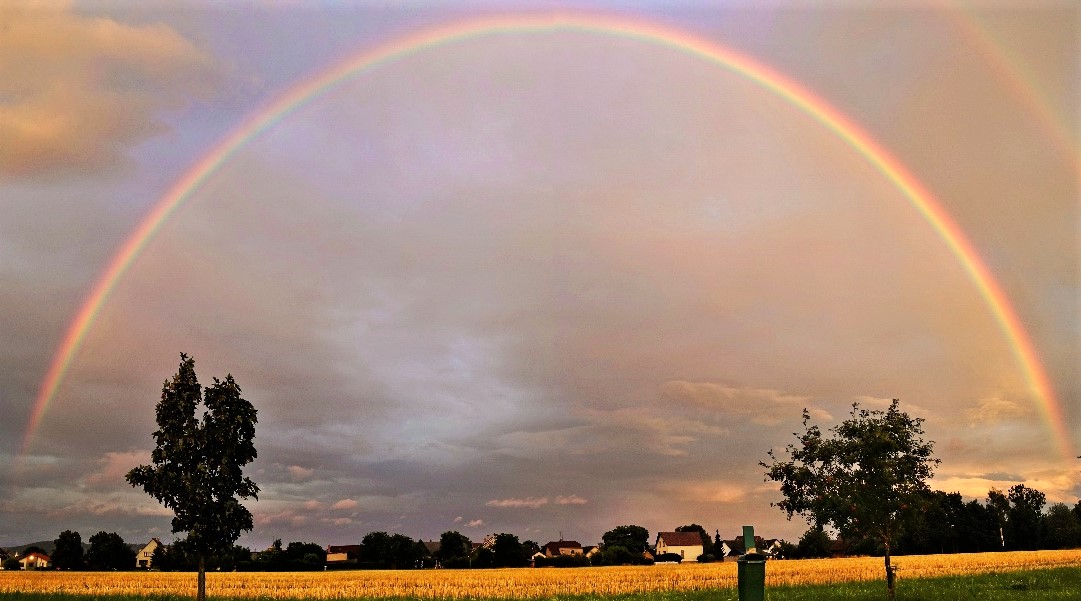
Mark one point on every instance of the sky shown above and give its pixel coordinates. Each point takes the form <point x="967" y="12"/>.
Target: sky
<point x="537" y="280"/>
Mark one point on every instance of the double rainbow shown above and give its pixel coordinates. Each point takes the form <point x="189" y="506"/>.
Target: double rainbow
<point x="844" y="128"/>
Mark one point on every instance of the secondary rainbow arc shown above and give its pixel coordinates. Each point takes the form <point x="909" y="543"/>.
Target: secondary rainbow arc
<point x="270" y="114"/>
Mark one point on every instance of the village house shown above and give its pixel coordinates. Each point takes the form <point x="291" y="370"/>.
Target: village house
<point x="145" y="556"/>
<point x="563" y="547"/>
<point x="342" y="554"/>
<point x="34" y="561"/>
<point x="687" y="545"/>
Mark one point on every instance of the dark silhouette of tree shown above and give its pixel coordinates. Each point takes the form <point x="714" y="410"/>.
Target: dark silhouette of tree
<point x="109" y="552"/>
<point x="632" y="538"/>
<point x="454" y="548"/>
<point x="67" y="551"/>
<point x="867" y="479"/>
<point x="1061" y="528"/>
<point x="1023" y="517"/>
<point x="197" y="468"/>
<point x="814" y="543"/>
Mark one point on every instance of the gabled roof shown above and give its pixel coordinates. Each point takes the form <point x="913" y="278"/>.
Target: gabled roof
<point x="680" y="539"/>
<point x="343" y="549"/>
<point x="35" y="554"/>
<point x="432" y="546"/>
<point x="563" y="544"/>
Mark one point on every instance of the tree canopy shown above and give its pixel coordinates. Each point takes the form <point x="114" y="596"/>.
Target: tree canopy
<point x="632" y="538"/>
<point x="867" y="479"/>
<point x="67" y="551"/>
<point x="197" y="468"/>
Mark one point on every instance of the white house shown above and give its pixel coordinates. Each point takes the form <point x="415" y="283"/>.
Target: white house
<point x="687" y="545"/>
<point x="145" y="556"/>
<point x="34" y="561"/>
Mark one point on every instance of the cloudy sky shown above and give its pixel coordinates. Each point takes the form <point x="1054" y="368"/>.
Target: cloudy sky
<point x="540" y="281"/>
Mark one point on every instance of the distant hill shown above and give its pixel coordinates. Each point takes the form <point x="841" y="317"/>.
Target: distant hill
<point x="47" y="545"/>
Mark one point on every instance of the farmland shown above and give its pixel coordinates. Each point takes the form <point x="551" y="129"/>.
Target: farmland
<point x="521" y="583"/>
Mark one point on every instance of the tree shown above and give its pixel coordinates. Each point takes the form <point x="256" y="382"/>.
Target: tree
<point x="814" y="543"/>
<point x="454" y="548"/>
<point x="67" y="551"/>
<point x="632" y="538"/>
<point x="866" y="480"/>
<point x="1061" y="527"/>
<point x="1026" y="507"/>
<point x="198" y="462"/>
<point x="706" y="543"/>
<point x="109" y="552"/>
<point x="508" y="552"/>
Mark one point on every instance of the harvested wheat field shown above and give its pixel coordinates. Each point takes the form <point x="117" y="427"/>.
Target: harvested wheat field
<point x="521" y="583"/>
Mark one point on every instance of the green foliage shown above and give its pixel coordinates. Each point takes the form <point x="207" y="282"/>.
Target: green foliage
<point x="454" y="545"/>
<point x="563" y="561"/>
<point x="814" y="543"/>
<point x="618" y="555"/>
<point x="632" y="538"/>
<point x="507" y="552"/>
<point x="109" y="552"/>
<point x="1062" y="529"/>
<point x="869" y="479"/>
<point x="198" y="462"/>
<point x="68" y="551"/>
<point x="1023" y="517"/>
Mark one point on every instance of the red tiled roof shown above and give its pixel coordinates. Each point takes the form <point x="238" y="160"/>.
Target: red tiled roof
<point x="680" y="539"/>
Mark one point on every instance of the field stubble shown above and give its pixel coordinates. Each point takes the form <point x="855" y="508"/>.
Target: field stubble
<point x="520" y="583"/>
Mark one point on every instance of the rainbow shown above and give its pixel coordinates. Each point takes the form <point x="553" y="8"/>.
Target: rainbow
<point x="410" y="44"/>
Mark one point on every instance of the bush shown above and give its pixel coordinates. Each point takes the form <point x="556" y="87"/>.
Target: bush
<point x="706" y="558"/>
<point x="669" y="558"/>
<point x="563" y="561"/>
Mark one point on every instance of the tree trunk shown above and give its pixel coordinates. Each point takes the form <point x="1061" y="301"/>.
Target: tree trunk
<point x="201" y="595"/>
<point x="890" y="582"/>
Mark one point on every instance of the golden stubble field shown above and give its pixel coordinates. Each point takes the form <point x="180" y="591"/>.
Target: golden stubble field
<point x="520" y="583"/>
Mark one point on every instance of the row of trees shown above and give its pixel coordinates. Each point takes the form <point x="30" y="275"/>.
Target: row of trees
<point x="1014" y="520"/>
<point x="107" y="551"/>
<point x="867" y="480"/>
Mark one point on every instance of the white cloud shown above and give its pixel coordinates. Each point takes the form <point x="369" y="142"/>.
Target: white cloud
<point x="570" y="500"/>
<point x="345" y="504"/>
<point x="530" y="502"/>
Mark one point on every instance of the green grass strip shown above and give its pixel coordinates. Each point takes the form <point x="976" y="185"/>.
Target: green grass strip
<point x="1056" y="584"/>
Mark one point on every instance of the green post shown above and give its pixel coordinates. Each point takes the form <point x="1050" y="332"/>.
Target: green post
<point x="751" y="570"/>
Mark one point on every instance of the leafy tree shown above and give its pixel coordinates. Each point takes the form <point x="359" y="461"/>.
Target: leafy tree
<point x="701" y="534"/>
<point x="814" y="543"/>
<point x="375" y="549"/>
<point x="34" y="549"/>
<point x="160" y="559"/>
<point x="508" y="552"/>
<point x="866" y="480"/>
<point x="1026" y="506"/>
<point x="998" y="506"/>
<point x="1062" y="530"/>
<point x="453" y="545"/>
<point x="67" y="551"/>
<point x="305" y="556"/>
<point x="109" y="552"/>
<point x="632" y="538"/>
<point x="977" y="529"/>
<point x="198" y="462"/>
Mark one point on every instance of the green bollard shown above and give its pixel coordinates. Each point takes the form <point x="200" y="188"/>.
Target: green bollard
<point x="751" y="577"/>
<point x="751" y="570"/>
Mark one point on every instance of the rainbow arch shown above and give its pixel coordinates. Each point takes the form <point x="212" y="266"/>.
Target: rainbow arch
<point x="799" y="97"/>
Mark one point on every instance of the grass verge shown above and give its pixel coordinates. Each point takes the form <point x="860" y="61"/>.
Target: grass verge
<point x="1055" y="584"/>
